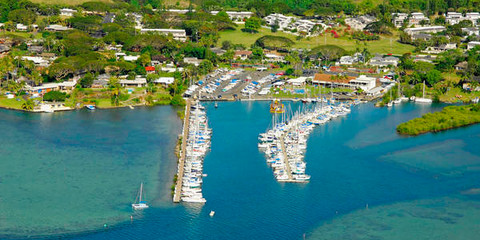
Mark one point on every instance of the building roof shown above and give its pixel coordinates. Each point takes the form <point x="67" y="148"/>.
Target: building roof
<point x="331" y="78"/>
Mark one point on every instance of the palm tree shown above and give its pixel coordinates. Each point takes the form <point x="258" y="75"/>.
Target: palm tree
<point x="28" y="105"/>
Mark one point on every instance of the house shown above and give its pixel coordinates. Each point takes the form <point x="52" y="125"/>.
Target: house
<point x="380" y="61"/>
<point x="158" y="59"/>
<point x="38" y="61"/>
<point x="441" y="48"/>
<point x="359" y="23"/>
<point x="472" y="44"/>
<point x="399" y="18"/>
<point x="218" y="51"/>
<point x="130" y="58"/>
<point x="375" y="92"/>
<point x="21" y="27"/>
<point x="424" y="58"/>
<point x="421" y="36"/>
<point x="274" y="57"/>
<point x="4" y="48"/>
<point x="471" y="31"/>
<point x="178" y="34"/>
<point x="281" y="20"/>
<point x="57" y="28"/>
<point x="453" y="18"/>
<point x="347" y="60"/>
<point x="235" y="15"/>
<point x="242" y="54"/>
<point x="364" y="82"/>
<point x="330" y="80"/>
<point x="66" y="87"/>
<point x="35" y="49"/>
<point x="298" y="81"/>
<point x="416" y="18"/>
<point x="192" y="60"/>
<point x="164" y="80"/>
<point x="461" y="66"/>
<point x="429" y="29"/>
<point x="473" y="17"/>
<point x="108" y="18"/>
<point x="150" y="69"/>
<point x="67" y="12"/>
<point x="137" y="82"/>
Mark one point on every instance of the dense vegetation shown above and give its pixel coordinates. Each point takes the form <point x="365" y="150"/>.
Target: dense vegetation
<point x="450" y="117"/>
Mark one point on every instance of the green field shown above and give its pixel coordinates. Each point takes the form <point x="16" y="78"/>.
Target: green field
<point x="69" y="2"/>
<point x="11" y="103"/>
<point x="384" y="45"/>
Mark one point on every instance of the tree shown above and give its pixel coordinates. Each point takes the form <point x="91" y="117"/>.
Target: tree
<point x="226" y="45"/>
<point x="28" y="105"/>
<point x="54" y="96"/>
<point x="433" y="76"/>
<point x="87" y="80"/>
<point x="144" y="59"/>
<point x="252" y="24"/>
<point x="23" y="16"/>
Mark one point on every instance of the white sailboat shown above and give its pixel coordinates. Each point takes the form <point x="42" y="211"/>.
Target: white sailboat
<point x="423" y="99"/>
<point x="139" y="203"/>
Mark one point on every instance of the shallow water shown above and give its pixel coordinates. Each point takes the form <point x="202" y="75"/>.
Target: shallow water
<point x="354" y="161"/>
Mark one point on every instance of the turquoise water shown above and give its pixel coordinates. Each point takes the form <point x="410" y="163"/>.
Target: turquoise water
<point x="431" y="180"/>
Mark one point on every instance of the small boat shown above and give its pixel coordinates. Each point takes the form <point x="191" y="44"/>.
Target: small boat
<point x="139" y="203"/>
<point x="423" y="99"/>
<point x="212" y="213"/>
<point x="389" y="104"/>
<point x="131" y="107"/>
<point x="90" y="107"/>
<point x="216" y="105"/>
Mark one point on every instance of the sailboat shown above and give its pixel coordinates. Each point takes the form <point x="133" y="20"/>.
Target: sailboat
<point x="389" y="104"/>
<point x="423" y="99"/>
<point x="399" y="99"/>
<point x="139" y="203"/>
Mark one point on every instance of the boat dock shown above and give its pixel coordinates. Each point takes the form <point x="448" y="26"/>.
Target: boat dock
<point x="181" y="160"/>
<point x="286" y="142"/>
<point x="287" y="166"/>
<point x="195" y="144"/>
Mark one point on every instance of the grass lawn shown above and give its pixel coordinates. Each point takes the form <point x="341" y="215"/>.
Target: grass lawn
<point x="69" y="2"/>
<point x="288" y="92"/>
<point x="457" y="95"/>
<point x="11" y="103"/>
<point x="380" y="46"/>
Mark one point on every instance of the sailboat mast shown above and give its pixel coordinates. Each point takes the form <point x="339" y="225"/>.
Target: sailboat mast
<point x="141" y="191"/>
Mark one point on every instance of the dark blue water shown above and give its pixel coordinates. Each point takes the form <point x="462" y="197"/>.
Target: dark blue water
<point x="354" y="161"/>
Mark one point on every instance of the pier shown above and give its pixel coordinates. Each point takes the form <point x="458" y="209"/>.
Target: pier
<point x="287" y="165"/>
<point x="183" y="150"/>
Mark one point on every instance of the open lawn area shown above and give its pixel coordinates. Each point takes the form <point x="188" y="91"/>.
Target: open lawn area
<point x="457" y="95"/>
<point x="11" y="103"/>
<point x="69" y="2"/>
<point x="384" y="45"/>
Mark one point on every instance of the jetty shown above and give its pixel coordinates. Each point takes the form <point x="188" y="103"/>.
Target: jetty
<point x="195" y="144"/>
<point x="181" y="160"/>
<point x="285" y="143"/>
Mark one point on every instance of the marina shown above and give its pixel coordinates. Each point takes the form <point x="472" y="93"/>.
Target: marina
<point x="286" y="143"/>
<point x="195" y="144"/>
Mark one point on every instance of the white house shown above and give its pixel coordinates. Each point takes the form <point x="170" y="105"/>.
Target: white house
<point x="472" y="44"/>
<point x="399" y="18"/>
<point x="380" y="61"/>
<point x="364" y="82"/>
<point x="164" y="80"/>
<point x="441" y="48"/>
<point x="192" y="60"/>
<point x="359" y="23"/>
<point x="137" y="82"/>
<point x="67" y="12"/>
<point x="430" y="29"/>
<point x="21" y="27"/>
<point x="471" y="31"/>
<point x="272" y="57"/>
<point x="453" y="18"/>
<point x="347" y="60"/>
<point x="297" y="81"/>
<point x="130" y="58"/>
<point x="178" y="34"/>
<point x="416" y="18"/>
<point x="235" y="15"/>
<point x="57" y="28"/>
